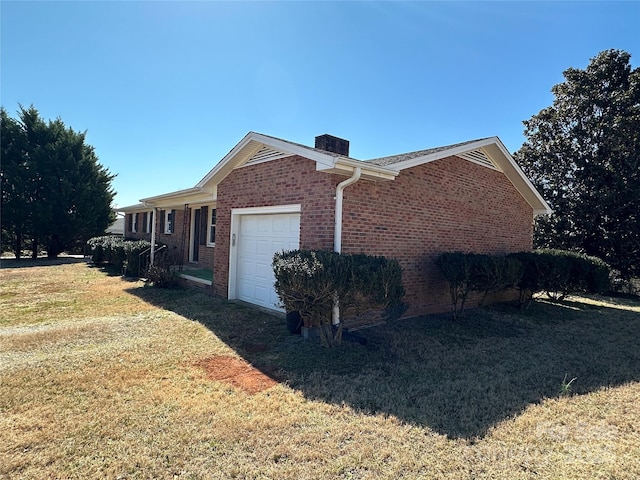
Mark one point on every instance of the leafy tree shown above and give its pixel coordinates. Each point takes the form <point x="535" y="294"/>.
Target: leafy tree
<point x="54" y="191"/>
<point x="583" y="154"/>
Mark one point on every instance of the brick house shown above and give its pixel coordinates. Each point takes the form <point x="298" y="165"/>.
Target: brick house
<point x="269" y="194"/>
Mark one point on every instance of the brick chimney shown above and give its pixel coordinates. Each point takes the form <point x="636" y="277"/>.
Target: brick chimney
<point x="332" y="144"/>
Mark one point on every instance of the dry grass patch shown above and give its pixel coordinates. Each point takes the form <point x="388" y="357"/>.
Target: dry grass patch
<point x="176" y="384"/>
<point x="40" y="294"/>
<point x="236" y="372"/>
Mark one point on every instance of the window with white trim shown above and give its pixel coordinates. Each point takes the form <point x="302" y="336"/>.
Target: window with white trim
<point x="211" y="230"/>
<point x="168" y="221"/>
<point x="134" y="228"/>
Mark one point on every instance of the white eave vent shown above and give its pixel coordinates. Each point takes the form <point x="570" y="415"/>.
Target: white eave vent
<point x="266" y="154"/>
<point x="479" y="157"/>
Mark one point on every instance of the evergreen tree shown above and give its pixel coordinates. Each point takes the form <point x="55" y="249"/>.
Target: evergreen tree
<point x="54" y="191"/>
<point x="583" y="154"/>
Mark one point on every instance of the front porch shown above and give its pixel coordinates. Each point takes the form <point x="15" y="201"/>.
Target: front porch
<point x="203" y="276"/>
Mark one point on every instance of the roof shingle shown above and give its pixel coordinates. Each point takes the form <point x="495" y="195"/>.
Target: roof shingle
<point x="384" y="161"/>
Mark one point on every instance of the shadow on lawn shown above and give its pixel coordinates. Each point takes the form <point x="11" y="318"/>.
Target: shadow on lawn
<point x="458" y="378"/>
<point x="40" y="261"/>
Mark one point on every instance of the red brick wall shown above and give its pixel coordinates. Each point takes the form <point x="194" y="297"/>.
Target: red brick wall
<point x="205" y="257"/>
<point x="447" y="205"/>
<point x="174" y="240"/>
<point x="287" y="181"/>
<point x="450" y="204"/>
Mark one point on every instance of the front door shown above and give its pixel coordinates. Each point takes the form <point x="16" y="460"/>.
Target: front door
<point x="195" y="239"/>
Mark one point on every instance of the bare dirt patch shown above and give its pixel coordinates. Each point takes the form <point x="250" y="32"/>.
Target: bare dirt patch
<point x="236" y="372"/>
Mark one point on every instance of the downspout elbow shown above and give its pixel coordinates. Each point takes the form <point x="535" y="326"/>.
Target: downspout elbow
<point x="337" y="236"/>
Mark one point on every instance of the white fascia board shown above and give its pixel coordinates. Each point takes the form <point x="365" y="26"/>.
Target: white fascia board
<point x="226" y="159"/>
<point x="370" y="172"/>
<point x="270" y="209"/>
<point x="133" y="208"/>
<point x="543" y="208"/>
<point x="177" y="193"/>
<point x="307" y="152"/>
<point x="180" y="197"/>
<point x="545" y="211"/>
<point x="251" y="144"/>
<point x="449" y="152"/>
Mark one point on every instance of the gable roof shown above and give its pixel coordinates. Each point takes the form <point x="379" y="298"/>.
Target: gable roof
<point x="257" y="148"/>
<point x="489" y="152"/>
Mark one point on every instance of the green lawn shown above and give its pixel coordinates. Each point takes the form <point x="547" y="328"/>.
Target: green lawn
<point x="106" y="378"/>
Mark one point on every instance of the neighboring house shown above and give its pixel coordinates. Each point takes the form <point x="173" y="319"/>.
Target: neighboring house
<point x="269" y="194"/>
<point x="117" y="227"/>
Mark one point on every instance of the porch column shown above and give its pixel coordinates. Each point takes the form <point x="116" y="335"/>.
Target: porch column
<point x="153" y="234"/>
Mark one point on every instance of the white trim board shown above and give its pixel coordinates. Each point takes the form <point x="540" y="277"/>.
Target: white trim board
<point x="236" y="213"/>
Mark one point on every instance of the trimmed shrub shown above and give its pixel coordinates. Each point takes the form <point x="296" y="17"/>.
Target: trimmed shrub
<point x="312" y="281"/>
<point x="467" y="272"/>
<point x="456" y="269"/>
<point x="559" y="273"/>
<point x="374" y="281"/>
<point x="123" y="254"/>
<point x="132" y="250"/>
<point x="161" y="274"/>
<point x="492" y="274"/>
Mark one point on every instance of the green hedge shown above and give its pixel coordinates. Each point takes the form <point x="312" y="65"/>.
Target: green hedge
<point x="467" y="272"/>
<point x="559" y="273"/>
<point x="123" y="254"/>
<point x="309" y="282"/>
<point x="555" y="272"/>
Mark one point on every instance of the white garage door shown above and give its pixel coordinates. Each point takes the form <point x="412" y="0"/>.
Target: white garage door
<point x="259" y="237"/>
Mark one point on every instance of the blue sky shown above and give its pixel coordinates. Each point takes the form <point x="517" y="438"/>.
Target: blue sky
<point x="166" y="89"/>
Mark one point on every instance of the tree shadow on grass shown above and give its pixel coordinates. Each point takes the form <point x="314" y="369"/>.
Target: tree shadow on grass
<point x="458" y="378"/>
<point x="40" y="261"/>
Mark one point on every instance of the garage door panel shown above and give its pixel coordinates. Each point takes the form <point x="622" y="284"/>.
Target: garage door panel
<point x="249" y="224"/>
<point x="259" y="237"/>
<point x="281" y="225"/>
<point x="281" y="244"/>
<point x="264" y="225"/>
<point x="247" y="266"/>
<point x="262" y="294"/>
<point x="264" y="271"/>
<point x="263" y="247"/>
<point x="294" y="225"/>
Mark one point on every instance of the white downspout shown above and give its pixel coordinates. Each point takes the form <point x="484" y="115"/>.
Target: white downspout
<point x="337" y="232"/>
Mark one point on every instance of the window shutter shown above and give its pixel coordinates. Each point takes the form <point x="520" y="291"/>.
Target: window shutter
<point x="129" y="222"/>
<point x="162" y="215"/>
<point x="145" y="225"/>
<point x="173" y="221"/>
<point x="204" y="217"/>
